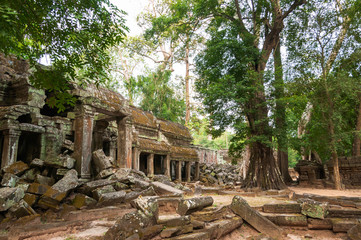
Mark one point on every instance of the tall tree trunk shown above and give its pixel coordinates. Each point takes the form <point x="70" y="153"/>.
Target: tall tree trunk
<point x="280" y="111"/>
<point x="357" y="138"/>
<point x="186" y="59"/>
<point x="263" y="171"/>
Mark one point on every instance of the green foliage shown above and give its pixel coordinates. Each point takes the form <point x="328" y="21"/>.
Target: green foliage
<point x="75" y="35"/>
<point x="159" y="97"/>
<point x="199" y="129"/>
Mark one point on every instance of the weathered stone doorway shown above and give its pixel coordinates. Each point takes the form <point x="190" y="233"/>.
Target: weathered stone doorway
<point x="159" y="164"/>
<point x="143" y="162"/>
<point x="29" y="146"/>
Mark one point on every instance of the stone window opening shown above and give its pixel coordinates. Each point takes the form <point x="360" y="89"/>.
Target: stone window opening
<point x="26" y="118"/>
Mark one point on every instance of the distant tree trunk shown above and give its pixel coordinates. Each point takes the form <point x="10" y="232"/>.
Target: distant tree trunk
<point x="186" y="59"/>
<point x="357" y="138"/>
<point x="280" y="112"/>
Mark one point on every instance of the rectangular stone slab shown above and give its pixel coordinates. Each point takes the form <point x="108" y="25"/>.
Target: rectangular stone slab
<point x="240" y="207"/>
<point x="282" y="208"/>
<point x="288" y="219"/>
<point x="319" y="224"/>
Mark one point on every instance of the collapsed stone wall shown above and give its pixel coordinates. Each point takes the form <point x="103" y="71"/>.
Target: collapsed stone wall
<point x="350" y="170"/>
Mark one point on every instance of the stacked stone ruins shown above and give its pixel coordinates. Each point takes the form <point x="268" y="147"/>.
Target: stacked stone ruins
<point x="100" y="119"/>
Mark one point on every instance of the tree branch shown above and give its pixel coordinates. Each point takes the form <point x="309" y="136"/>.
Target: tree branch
<point x="295" y="4"/>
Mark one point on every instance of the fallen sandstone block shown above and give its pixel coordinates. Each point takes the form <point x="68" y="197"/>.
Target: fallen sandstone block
<point x="38" y="189"/>
<point x="187" y="206"/>
<point x="164" y="189"/>
<point x="210" y="214"/>
<point x="319" y="224"/>
<point x="240" y="207"/>
<point x="9" y="197"/>
<point x="222" y="227"/>
<point x="282" y="208"/>
<point x="313" y="208"/>
<point x="9" y="180"/>
<point x="16" y="168"/>
<point x="82" y="200"/>
<point x="101" y="161"/>
<point x="355" y="232"/>
<point x="111" y="198"/>
<point x="287" y="219"/>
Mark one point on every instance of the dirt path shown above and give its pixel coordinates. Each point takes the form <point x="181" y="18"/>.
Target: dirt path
<point x="328" y="192"/>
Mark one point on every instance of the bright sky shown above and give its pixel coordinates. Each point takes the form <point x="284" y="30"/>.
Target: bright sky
<point x="133" y="8"/>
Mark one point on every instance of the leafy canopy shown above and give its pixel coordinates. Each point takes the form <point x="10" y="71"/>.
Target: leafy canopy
<point x="75" y="35"/>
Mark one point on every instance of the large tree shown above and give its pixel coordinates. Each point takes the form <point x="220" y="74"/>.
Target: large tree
<point x="243" y="35"/>
<point x="325" y="40"/>
<point x="74" y="35"/>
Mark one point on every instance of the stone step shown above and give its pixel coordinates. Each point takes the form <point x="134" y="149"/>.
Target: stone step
<point x="344" y="213"/>
<point x="287" y="219"/>
<point x="343" y="224"/>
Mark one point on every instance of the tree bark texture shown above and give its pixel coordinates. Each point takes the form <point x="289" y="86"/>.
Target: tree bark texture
<point x="280" y="111"/>
<point x="357" y="136"/>
<point x="186" y="59"/>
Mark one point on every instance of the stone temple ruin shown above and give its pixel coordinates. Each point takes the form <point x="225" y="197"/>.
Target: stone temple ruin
<point x="101" y="119"/>
<point x="105" y="162"/>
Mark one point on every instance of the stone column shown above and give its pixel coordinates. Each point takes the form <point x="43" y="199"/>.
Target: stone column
<point x="178" y="171"/>
<point x="150" y="164"/>
<point x="196" y="172"/>
<point x="83" y="127"/>
<point x="136" y="154"/>
<point x="188" y="171"/>
<point x="124" y="143"/>
<point x="167" y="165"/>
<point x="10" y="147"/>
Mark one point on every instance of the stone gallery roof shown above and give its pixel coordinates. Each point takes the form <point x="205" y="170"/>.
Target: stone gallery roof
<point x="143" y="118"/>
<point x="174" y="129"/>
<point x="101" y="98"/>
<point x="153" y="145"/>
<point x="183" y="153"/>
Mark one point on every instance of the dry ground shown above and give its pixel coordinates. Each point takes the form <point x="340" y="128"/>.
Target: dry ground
<point x="92" y="224"/>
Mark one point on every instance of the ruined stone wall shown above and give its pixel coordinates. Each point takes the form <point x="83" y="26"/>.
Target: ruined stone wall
<point x="350" y="170"/>
<point x="208" y="155"/>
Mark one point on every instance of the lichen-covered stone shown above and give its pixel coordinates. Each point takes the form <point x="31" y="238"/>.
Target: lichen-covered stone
<point x="240" y="207"/>
<point x="16" y="168"/>
<point x="9" y="197"/>
<point x="129" y="224"/>
<point x="164" y="189"/>
<point x="68" y="182"/>
<point x="22" y="209"/>
<point x="30" y="174"/>
<point x="101" y="161"/>
<point x="97" y="193"/>
<point x="30" y="198"/>
<point x="44" y="180"/>
<point x="187" y="206"/>
<point x="111" y="198"/>
<point x="82" y="200"/>
<point x="37" y="188"/>
<point x="38" y="163"/>
<point x="313" y="208"/>
<point x="148" y="205"/>
<point x="61" y="161"/>
<point x="9" y="180"/>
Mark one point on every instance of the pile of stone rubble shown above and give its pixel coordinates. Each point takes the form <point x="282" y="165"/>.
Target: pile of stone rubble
<point x="28" y="189"/>
<point x="220" y="174"/>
